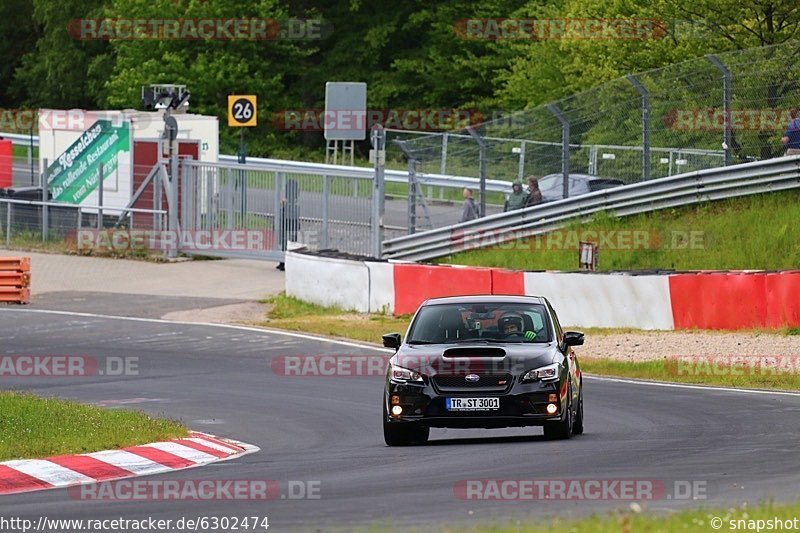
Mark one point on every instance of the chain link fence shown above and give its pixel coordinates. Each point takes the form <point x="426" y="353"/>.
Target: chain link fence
<point x="703" y="113"/>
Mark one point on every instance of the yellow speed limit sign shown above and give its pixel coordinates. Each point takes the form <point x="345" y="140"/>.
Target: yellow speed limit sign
<point x="242" y="110"/>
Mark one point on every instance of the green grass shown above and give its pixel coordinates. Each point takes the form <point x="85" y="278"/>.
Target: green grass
<point x="701" y="371"/>
<point x="754" y="232"/>
<point x="34" y="427"/>
<point x="690" y="520"/>
<point x="295" y="315"/>
<point x="289" y="313"/>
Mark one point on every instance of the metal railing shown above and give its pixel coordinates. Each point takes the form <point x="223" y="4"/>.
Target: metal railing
<point x="40" y="221"/>
<point x="281" y="165"/>
<point x="684" y="189"/>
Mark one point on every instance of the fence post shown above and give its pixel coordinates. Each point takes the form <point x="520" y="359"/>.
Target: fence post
<point x="564" y="146"/>
<point x="278" y="226"/>
<point x="157" y="195"/>
<point x="230" y="200"/>
<point x="45" y="195"/>
<point x="30" y="156"/>
<point x="645" y="125"/>
<point x="184" y="187"/>
<point x="443" y="164"/>
<point x="9" y="205"/>
<point x="412" y="196"/>
<point x="172" y="205"/>
<point x="100" y="197"/>
<point x="379" y="146"/>
<point x="726" y="105"/>
<point x="521" y="173"/>
<point x="326" y="192"/>
<point x="481" y="166"/>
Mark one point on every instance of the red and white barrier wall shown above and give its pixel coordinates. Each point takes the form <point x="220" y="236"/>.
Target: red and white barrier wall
<point x="715" y="300"/>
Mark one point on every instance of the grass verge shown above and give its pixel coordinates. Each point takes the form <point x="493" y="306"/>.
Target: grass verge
<point x="744" y="518"/>
<point x="36" y="427"/>
<point x="753" y="232"/>
<point x="295" y="315"/>
<point x="699" y="371"/>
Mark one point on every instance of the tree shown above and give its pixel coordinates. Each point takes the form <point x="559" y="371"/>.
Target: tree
<point x="62" y="71"/>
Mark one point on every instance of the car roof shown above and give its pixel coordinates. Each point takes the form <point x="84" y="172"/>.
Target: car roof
<point x="587" y="177"/>
<point x="484" y="298"/>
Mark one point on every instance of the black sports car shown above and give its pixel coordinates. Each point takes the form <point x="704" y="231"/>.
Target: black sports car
<point x="482" y="362"/>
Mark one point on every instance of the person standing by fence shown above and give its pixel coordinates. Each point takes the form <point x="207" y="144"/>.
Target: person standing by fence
<point x="534" y="194"/>
<point x="791" y="139"/>
<point x="517" y="198"/>
<point x="469" y="210"/>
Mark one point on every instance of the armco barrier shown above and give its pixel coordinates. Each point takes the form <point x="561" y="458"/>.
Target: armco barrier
<point x="704" y="300"/>
<point x="15" y="280"/>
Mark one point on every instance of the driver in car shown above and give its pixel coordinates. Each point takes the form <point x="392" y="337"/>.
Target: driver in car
<point x="512" y="324"/>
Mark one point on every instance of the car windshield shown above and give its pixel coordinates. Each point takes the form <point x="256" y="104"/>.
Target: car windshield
<point x="504" y="322"/>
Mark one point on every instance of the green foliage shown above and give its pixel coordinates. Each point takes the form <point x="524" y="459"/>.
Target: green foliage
<point x="410" y="53"/>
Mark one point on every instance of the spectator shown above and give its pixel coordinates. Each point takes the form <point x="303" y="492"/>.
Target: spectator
<point x="791" y="138"/>
<point x="534" y="194"/>
<point x="469" y="211"/>
<point x="517" y="198"/>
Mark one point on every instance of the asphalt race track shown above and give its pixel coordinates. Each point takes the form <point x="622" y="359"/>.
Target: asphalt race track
<point x="738" y="446"/>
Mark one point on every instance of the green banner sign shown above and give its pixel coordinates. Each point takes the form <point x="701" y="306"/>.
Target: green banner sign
<point x="76" y="172"/>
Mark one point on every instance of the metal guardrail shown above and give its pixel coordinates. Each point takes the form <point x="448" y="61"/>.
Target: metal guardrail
<point x="394" y="176"/>
<point x="674" y="191"/>
<point x="298" y="167"/>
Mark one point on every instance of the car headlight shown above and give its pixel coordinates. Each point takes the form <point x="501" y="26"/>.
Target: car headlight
<point x="398" y="373"/>
<point x="544" y="373"/>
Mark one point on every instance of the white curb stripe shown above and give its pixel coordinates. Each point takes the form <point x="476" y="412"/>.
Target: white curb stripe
<point x="184" y="452"/>
<point x="212" y="445"/>
<point x="52" y="473"/>
<point x="135" y="464"/>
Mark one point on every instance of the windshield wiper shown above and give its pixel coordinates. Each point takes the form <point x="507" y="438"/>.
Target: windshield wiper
<point x="422" y="342"/>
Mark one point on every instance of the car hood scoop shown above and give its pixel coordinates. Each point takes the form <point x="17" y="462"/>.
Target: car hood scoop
<point x="474" y="351"/>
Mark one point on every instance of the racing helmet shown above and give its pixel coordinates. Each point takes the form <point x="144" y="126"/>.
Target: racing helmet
<point x="507" y="319"/>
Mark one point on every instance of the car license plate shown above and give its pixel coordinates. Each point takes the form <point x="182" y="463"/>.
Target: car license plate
<point x="473" y="404"/>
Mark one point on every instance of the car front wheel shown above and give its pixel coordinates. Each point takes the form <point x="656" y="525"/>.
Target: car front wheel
<point x="404" y="434"/>
<point x="577" y="425"/>
<point x="562" y="429"/>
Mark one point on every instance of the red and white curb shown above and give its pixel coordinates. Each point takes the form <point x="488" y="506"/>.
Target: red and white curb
<point x="197" y="449"/>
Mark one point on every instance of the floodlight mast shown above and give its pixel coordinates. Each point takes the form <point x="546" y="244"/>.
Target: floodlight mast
<point x="165" y="96"/>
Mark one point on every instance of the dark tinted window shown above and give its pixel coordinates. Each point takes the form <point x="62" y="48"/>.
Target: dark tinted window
<point x="503" y="322"/>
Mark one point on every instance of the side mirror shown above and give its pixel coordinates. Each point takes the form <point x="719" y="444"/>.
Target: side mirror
<point x="573" y="338"/>
<point x="391" y="340"/>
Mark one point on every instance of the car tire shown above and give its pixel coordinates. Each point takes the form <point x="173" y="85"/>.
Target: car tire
<point x="404" y="434"/>
<point x="577" y="424"/>
<point x="562" y="429"/>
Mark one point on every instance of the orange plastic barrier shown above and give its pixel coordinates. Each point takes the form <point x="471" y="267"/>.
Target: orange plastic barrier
<point x="735" y="300"/>
<point x="783" y="299"/>
<point x="508" y="282"/>
<point x="6" y="153"/>
<point x="413" y="284"/>
<point x="15" y="280"/>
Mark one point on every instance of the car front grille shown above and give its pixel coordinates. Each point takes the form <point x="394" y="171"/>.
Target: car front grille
<point x="485" y="383"/>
